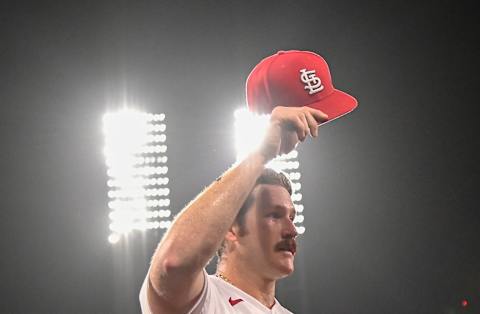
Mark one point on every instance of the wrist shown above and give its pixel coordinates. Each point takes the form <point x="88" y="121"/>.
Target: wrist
<point x="258" y="158"/>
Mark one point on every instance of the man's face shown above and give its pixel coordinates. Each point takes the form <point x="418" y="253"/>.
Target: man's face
<point x="268" y="241"/>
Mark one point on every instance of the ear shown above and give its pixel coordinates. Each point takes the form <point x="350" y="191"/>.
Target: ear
<point x="232" y="233"/>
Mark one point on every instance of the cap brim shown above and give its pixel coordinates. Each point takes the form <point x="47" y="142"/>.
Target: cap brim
<point x="335" y="105"/>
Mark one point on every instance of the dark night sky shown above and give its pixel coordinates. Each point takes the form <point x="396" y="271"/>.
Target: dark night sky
<point x="391" y="218"/>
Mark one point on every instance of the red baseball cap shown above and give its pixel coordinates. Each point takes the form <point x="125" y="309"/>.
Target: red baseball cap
<point x="295" y="79"/>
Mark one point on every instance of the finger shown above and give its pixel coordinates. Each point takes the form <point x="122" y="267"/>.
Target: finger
<point x="318" y="115"/>
<point x="295" y="125"/>
<point x="312" y="124"/>
<point x="305" y="124"/>
<point x="301" y="127"/>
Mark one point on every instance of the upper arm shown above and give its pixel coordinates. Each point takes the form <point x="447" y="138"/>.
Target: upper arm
<point x="179" y="299"/>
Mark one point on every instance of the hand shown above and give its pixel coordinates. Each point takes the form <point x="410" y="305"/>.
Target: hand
<point x="288" y="126"/>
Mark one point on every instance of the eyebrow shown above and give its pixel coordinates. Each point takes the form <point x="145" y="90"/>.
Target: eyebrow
<point x="291" y="210"/>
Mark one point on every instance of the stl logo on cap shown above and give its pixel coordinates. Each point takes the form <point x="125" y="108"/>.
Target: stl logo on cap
<point x="313" y="83"/>
<point x="295" y="79"/>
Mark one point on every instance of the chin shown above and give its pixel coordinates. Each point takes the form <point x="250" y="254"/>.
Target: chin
<point x="289" y="270"/>
<point x="285" y="269"/>
<point x="282" y="273"/>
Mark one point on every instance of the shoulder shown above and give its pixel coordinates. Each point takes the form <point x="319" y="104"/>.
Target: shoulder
<point x="201" y="306"/>
<point x="213" y="298"/>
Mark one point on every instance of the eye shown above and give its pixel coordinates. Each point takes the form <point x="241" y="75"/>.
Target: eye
<point x="292" y="218"/>
<point x="274" y="215"/>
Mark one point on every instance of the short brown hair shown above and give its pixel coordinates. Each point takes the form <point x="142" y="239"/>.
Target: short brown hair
<point x="268" y="176"/>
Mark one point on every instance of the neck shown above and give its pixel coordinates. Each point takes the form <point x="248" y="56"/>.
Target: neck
<point x="249" y="281"/>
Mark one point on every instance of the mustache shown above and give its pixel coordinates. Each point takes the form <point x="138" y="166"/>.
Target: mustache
<point x="287" y="245"/>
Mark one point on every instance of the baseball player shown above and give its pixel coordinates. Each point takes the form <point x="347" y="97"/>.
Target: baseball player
<point x="247" y="214"/>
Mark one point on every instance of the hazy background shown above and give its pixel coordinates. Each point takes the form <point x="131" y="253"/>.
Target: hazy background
<point x="389" y="190"/>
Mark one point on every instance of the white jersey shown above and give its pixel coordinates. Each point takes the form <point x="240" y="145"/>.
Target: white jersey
<point x="220" y="297"/>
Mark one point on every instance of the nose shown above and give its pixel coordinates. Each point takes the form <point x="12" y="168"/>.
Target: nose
<point x="289" y="230"/>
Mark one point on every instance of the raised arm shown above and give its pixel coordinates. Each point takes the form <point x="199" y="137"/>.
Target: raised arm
<point x="175" y="275"/>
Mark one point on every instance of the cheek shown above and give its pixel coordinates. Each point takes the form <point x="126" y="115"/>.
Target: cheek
<point x="267" y="233"/>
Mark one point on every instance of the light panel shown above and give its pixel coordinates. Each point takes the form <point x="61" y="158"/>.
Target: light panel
<point x="135" y="155"/>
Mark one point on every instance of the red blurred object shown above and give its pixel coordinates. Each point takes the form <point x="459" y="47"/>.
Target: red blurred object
<point x="464" y="303"/>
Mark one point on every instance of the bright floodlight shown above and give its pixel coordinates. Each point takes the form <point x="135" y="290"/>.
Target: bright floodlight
<point x="135" y="155"/>
<point x="249" y="131"/>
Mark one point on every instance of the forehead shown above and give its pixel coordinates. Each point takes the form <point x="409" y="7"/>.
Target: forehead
<point x="270" y="196"/>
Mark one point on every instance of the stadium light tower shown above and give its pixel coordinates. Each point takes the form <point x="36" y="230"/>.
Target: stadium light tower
<point x="135" y="155"/>
<point x="249" y="130"/>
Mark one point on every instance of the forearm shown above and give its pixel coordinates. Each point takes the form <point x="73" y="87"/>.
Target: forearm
<point x="200" y="228"/>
